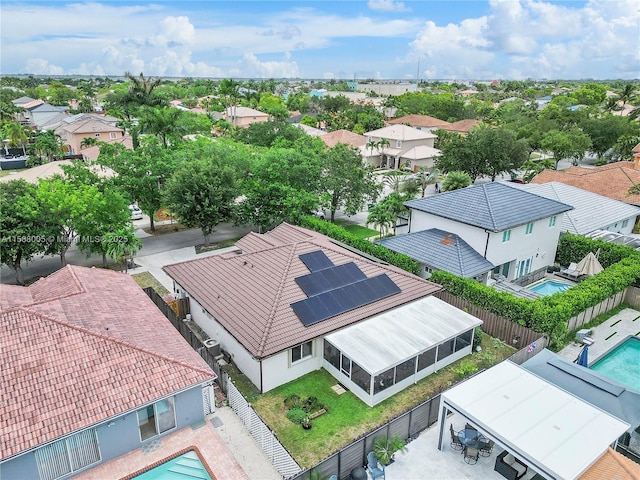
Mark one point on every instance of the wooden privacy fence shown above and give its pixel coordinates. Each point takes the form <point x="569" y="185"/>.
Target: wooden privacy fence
<point x="187" y="329"/>
<point x="509" y="332"/>
<point x="407" y="426"/>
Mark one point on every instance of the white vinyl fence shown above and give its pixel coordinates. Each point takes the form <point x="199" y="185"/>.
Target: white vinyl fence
<point x="277" y="454"/>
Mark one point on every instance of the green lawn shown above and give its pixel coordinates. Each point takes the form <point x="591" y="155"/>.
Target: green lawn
<point x="348" y="417"/>
<point x="145" y="279"/>
<point x="360" y="231"/>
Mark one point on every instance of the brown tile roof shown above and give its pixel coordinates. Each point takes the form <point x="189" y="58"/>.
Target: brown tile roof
<point x="462" y="126"/>
<point x="84" y="345"/>
<point x="636" y="149"/>
<point x="421" y="121"/>
<point x="612" y="180"/>
<point x="250" y="294"/>
<point x="612" y="466"/>
<point x="343" y="136"/>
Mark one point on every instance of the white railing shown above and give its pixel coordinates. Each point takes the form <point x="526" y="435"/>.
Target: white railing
<point x="277" y="454"/>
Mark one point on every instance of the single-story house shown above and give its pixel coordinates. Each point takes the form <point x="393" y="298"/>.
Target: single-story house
<point x="292" y="301"/>
<point x="513" y="229"/>
<point x="590" y="211"/>
<point x="549" y="430"/>
<point x="91" y="370"/>
<point x="436" y="249"/>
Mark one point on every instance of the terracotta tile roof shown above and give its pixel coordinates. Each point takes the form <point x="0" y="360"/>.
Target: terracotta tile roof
<point x="462" y="126"/>
<point x="88" y="344"/>
<point x="636" y="149"/>
<point x="343" y="136"/>
<point x="421" y="121"/>
<point x="250" y="294"/>
<point x="612" y="180"/>
<point x="612" y="466"/>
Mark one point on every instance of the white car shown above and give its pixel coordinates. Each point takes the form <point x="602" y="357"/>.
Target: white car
<point x="136" y="213"/>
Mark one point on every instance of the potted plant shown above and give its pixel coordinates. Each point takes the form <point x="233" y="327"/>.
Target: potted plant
<point x="306" y="423"/>
<point x="385" y="448"/>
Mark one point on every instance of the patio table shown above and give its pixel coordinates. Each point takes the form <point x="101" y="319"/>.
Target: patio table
<point x="469" y="437"/>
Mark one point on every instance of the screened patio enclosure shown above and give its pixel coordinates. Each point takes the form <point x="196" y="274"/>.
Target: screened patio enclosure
<point x="383" y="355"/>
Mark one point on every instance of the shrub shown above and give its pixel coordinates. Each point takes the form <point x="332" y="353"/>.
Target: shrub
<point x="477" y="338"/>
<point x="296" y="415"/>
<point x="311" y="405"/>
<point x="292" y="401"/>
<point x="465" y="368"/>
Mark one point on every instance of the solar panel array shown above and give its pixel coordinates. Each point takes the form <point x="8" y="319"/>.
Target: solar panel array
<point x="335" y="289"/>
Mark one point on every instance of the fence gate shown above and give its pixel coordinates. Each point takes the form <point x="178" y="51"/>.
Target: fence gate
<point x="277" y="454"/>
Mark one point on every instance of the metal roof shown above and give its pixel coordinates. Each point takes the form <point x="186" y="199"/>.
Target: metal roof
<point x="492" y="206"/>
<point x="590" y="210"/>
<point x="400" y="334"/>
<point x="440" y="250"/>
<point x="591" y="386"/>
<point x="554" y="431"/>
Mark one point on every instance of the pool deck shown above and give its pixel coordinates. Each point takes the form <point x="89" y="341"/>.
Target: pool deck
<point x="212" y="448"/>
<point x="606" y="335"/>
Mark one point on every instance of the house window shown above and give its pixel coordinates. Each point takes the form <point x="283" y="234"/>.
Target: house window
<point x="68" y="455"/>
<point x="332" y="355"/>
<point x="360" y="377"/>
<point x="300" y="352"/>
<point x="625" y="223"/>
<point x="157" y="418"/>
<point x="97" y="135"/>
<point x="528" y="229"/>
<point x="506" y="235"/>
<point x="113" y="135"/>
<point x="398" y="143"/>
<point x="552" y="221"/>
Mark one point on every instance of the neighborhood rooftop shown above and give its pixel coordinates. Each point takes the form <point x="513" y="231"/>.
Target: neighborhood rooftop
<point x="440" y="250"/>
<point x="492" y="206"/>
<point x="79" y="347"/>
<point x="250" y="293"/>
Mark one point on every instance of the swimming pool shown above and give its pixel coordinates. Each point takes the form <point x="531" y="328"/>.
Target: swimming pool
<point x="186" y="466"/>
<point x="549" y="287"/>
<point x="622" y="363"/>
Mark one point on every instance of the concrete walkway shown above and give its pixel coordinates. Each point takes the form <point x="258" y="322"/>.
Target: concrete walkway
<point x="606" y="335"/>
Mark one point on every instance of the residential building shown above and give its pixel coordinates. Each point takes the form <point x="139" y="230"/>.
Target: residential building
<point x="399" y="146"/>
<point x="73" y="133"/>
<point x="38" y="113"/>
<point x="91" y="370"/>
<point x="47" y="170"/>
<point x="612" y="180"/>
<point x="387" y="89"/>
<point x="292" y="301"/>
<point x="590" y="211"/>
<point x="515" y="230"/>
<point x="244" y="116"/>
<point x="462" y="127"/>
<point x="343" y="136"/>
<point x="420" y="122"/>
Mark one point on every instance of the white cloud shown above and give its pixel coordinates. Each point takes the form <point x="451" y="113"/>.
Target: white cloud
<point x="387" y="6"/>
<point x="252" y="67"/>
<point x="39" y="66"/>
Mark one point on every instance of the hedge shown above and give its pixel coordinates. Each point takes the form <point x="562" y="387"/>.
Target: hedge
<point x="340" y="234"/>
<point x="550" y="314"/>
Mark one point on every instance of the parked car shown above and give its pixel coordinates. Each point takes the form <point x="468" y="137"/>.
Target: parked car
<point x="318" y="214"/>
<point x="136" y="213"/>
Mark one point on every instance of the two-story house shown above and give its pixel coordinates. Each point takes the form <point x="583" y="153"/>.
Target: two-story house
<point x="399" y="146"/>
<point x="517" y="231"/>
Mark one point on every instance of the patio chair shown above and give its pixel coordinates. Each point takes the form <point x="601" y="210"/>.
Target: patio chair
<point x="456" y="444"/>
<point x="471" y="455"/>
<point x="486" y="447"/>
<point x="571" y="271"/>
<point x="375" y="469"/>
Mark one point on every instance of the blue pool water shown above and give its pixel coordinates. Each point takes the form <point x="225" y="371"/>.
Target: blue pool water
<point x="549" y="287"/>
<point x="185" y="467"/>
<point x="622" y="364"/>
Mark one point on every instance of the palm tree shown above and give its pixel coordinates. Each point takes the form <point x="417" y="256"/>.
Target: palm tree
<point x="381" y="217"/>
<point x="229" y="90"/>
<point x="380" y="146"/>
<point x="627" y="93"/>
<point x="456" y="181"/>
<point x="16" y="134"/>
<point x="161" y="122"/>
<point x="88" y="142"/>
<point x="142" y="91"/>
<point x="425" y="178"/>
<point x="393" y="180"/>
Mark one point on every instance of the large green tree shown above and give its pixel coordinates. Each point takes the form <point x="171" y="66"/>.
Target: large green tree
<point x="202" y="194"/>
<point x="26" y="230"/>
<point x="572" y="143"/>
<point x="346" y="183"/>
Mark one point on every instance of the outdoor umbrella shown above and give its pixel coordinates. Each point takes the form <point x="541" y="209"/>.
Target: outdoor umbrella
<point x="582" y="358"/>
<point x="589" y="265"/>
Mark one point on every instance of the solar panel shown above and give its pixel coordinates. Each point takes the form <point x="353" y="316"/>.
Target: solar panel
<point x="340" y="300"/>
<point x="330" y="278"/>
<point x="316" y="261"/>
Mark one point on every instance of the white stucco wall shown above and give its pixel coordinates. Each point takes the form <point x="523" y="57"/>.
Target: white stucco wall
<point x="540" y="245"/>
<point x="278" y="369"/>
<point x="618" y="228"/>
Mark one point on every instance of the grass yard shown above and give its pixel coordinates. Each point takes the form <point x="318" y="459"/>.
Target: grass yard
<point x="360" y="231"/>
<point x="348" y="417"/>
<point x="145" y="279"/>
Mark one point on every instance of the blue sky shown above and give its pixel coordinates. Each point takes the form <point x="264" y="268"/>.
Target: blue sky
<point x="453" y="39"/>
